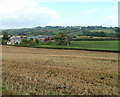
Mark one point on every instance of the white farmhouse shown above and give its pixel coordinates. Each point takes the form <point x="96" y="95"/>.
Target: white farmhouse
<point x="15" y="39"/>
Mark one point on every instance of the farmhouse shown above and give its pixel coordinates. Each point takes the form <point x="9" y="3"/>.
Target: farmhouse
<point x="41" y="38"/>
<point x="15" y="39"/>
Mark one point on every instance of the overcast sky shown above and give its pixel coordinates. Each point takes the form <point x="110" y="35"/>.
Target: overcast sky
<point x="32" y="13"/>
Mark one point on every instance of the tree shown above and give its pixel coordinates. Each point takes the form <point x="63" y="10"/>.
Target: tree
<point x="37" y="41"/>
<point x="30" y="42"/>
<point x="5" y="38"/>
<point x="117" y="29"/>
<point x="86" y="32"/>
<point x="24" y="41"/>
<point x="62" y="38"/>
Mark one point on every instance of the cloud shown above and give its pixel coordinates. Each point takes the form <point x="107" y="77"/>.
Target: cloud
<point x="109" y="21"/>
<point x="91" y="11"/>
<point x="25" y="13"/>
<point x="112" y="19"/>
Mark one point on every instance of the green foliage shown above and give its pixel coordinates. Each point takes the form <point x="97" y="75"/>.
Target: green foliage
<point x="37" y="41"/>
<point x="30" y="42"/>
<point x="4" y="42"/>
<point x="72" y="31"/>
<point x="47" y="43"/>
<point x="5" y="38"/>
<point x="86" y="32"/>
<point x="62" y="38"/>
<point x="24" y="41"/>
<point x="93" y="33"/>
<point x="117" y="31"/>
<point x="107" y="32"/>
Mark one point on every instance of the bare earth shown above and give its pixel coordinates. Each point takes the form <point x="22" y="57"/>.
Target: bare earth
<point x="42" y="71"/>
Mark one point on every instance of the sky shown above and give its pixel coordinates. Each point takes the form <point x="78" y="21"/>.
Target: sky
<point x="32" y="13"/>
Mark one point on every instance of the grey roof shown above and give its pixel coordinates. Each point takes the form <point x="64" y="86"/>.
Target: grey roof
<point x="34" y="37"/>
<point x="16" y="37"/>
<point x="40" y="36"/>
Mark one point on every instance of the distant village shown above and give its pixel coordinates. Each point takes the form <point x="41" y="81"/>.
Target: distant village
<point x="40" y="38"/>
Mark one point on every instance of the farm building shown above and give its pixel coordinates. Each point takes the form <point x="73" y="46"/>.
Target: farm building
<point x="15" y="39"/>
<point x="41" y="38"/>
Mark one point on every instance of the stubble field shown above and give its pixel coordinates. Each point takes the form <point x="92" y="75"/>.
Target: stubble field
<point x="39" y="71"/>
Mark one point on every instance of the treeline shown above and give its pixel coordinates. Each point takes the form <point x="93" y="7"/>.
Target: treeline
<point x="100" y="33"/>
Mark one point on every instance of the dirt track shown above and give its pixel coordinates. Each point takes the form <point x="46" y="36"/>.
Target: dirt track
<point x="54" y="71"/>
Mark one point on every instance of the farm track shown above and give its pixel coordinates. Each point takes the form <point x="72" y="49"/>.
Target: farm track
<point x="42" y="71"/>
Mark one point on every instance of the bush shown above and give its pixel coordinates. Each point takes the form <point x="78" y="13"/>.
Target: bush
<point x="62" y="38"/>
<point x="4" y="42"/>
<point x="28" y="43"/>
<point x="46" y="43"/>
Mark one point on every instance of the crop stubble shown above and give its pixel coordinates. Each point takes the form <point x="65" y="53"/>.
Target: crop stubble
<point x="42" y="71"/>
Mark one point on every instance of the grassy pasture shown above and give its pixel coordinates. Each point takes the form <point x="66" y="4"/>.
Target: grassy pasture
<point x="89" y="45"/>
<point x="40" y="71"/>
<point x="96" y="45"/>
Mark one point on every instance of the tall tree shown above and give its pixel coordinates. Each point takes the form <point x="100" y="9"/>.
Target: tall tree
<point x="62" y="38"/>
<point x="5" y="36"/>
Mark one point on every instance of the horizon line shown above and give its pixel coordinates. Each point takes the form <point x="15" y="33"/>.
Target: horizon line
<point x="55" y="26"/>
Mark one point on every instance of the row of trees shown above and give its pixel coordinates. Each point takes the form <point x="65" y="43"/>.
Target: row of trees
<point x="99" y="34"/>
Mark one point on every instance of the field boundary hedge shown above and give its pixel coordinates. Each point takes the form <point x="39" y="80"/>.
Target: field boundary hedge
<point x="96" y="39"/>
<point x="79" y="49"/>
<point x="113" y="51"/>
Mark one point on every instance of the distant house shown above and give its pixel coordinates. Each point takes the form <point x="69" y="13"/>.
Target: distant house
<point x="15" y="39"/>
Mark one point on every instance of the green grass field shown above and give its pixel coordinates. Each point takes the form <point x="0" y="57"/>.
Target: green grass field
<point x="97" y="45"/>
<point x="89" y="45"/>
<point x="104" y="30"/>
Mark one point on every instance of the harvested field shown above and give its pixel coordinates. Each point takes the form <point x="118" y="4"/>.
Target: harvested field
<point x="40" y="71"/>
